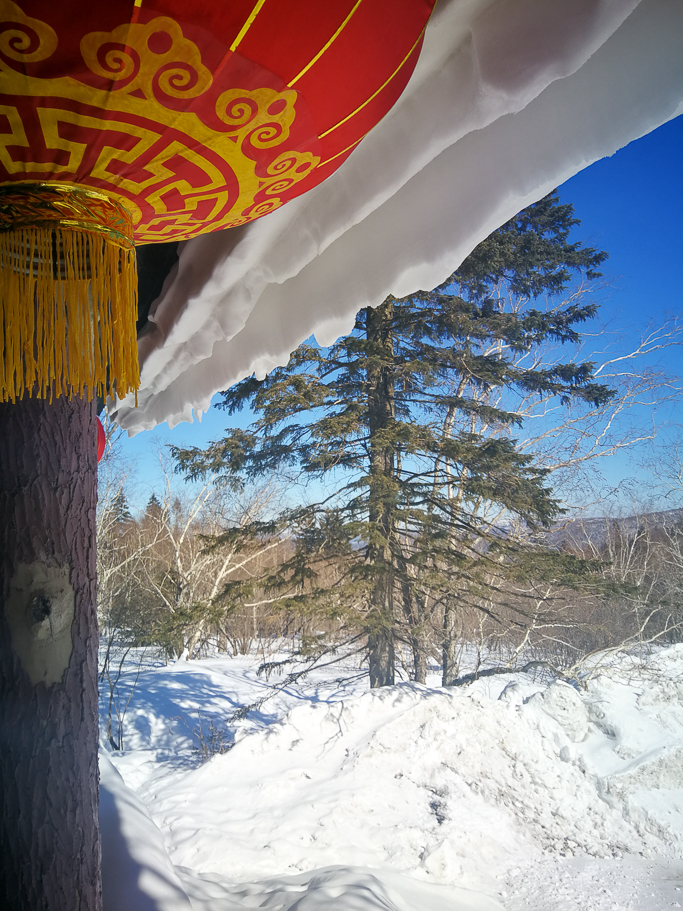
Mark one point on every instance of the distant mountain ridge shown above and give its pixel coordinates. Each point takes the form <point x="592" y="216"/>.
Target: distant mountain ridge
<point x="594" y="530"/>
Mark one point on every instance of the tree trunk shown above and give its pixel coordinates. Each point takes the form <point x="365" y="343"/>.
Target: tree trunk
<point x="381" y="658"/>
<point x="414" y="612"/>
<point x="419" y="650"/>
<point x="49" y="835"/>
<point x="380" y="377"/>
<point x="449" y="673"/>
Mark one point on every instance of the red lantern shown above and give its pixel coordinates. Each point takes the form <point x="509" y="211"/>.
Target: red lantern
<point x="101" y="440"/>
<point x="129" y="121"/>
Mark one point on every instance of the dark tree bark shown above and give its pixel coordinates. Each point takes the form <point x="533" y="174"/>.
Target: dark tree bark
<point x="418" y="646"/>
<point x="49" y="835"/>
<point x="449" y="673"/>
<point x="414" y="613"/>
<point x="380" y="378"/>
<point x="381" y="658"/>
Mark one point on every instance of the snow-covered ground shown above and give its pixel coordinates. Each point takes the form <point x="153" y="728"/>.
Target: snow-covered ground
<point x="510" y="793"/>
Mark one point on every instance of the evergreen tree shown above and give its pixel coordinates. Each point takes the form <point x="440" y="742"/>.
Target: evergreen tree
<point x="120" y="510"/>
<point x="153" y="510"/>
<point x="412" y="416"/>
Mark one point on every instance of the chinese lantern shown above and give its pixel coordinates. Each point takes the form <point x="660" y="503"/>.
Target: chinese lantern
<point x="101" y="440"/>
<point x="127" y="123"/>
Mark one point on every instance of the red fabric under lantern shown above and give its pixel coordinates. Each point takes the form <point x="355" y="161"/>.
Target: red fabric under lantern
<point x="197" y="116"/>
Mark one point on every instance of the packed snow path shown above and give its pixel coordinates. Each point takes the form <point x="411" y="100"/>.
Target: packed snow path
<point x="530" y="796"/>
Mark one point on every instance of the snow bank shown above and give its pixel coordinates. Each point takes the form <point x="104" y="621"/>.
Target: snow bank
<point x="439" y="785"/>
<point x="509" y="99"/>
<point x="333" y="889"/>
<point x="137" y="874"/>
<point x="501" y="788"/>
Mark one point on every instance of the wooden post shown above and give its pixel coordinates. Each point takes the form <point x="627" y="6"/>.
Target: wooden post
<point x="49" y="834"/>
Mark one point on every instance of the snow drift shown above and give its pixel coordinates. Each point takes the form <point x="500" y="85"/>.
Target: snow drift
<point x="503" y="788"/>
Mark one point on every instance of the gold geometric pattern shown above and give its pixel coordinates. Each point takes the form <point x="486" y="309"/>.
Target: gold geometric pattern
<point x="146" y="123"/>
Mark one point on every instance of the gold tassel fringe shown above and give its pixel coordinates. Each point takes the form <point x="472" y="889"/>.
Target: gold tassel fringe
<point x="68" y="301"/>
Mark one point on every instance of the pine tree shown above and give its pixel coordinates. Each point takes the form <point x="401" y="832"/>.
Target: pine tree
<point x="413" y="416"/>
<point x="121" y="512"/>
<point x="153" y="510"/>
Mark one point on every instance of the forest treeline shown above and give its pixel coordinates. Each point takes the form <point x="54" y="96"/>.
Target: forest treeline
<point x="164" y="582"/>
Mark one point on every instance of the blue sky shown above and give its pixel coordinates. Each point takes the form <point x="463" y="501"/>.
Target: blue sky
<point x="630" y="205"/>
